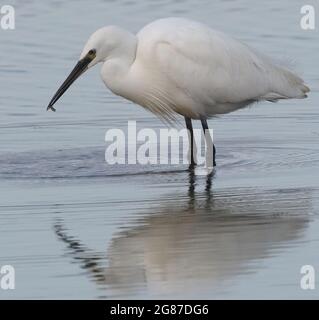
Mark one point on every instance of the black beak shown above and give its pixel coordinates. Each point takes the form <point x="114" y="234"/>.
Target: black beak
<point x="80" y="68"/>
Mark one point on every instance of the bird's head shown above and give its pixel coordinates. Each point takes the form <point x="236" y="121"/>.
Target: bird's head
<point x="103" y="44"/>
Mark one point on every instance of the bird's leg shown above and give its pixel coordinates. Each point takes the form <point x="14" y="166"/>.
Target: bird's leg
<point x="189" y="127"/>
<point x="209" y="141"/>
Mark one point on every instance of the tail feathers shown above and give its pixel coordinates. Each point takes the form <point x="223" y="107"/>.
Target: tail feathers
<point x="297" y="85"/>
<point x="287" y="85"/>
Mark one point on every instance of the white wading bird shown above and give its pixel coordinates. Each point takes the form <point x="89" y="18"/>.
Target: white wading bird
<point x="178" y="66"/>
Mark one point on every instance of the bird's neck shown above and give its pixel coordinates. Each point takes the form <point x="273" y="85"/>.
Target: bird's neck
<point x="115" y="69"/>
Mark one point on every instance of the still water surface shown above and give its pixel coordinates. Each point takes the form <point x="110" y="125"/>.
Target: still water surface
<point x="75" y="227"/>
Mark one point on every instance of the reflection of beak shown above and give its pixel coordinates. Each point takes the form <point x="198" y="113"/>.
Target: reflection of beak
<point x="80" y="68"/>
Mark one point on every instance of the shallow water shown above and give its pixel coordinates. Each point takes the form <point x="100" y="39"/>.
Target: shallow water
<point x="75" y="227"/>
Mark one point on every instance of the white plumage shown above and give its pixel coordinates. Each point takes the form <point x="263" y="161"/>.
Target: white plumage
<point x="175" y="65"/>
<point x="178" y="65"/>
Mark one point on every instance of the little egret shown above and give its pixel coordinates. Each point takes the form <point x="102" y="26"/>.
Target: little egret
<point x="178" y="66"/>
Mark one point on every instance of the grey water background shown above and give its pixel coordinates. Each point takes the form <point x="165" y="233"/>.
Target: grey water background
<point x="75" y="227"/>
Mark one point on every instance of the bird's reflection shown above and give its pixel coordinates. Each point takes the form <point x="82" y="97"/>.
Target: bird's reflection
<point x="189" y="247"/>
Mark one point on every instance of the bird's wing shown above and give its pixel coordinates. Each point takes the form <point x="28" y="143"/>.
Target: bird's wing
<point x="214" y="68"/>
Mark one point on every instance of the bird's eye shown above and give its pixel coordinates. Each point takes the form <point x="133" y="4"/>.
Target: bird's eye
<point x="92" y="52"/>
